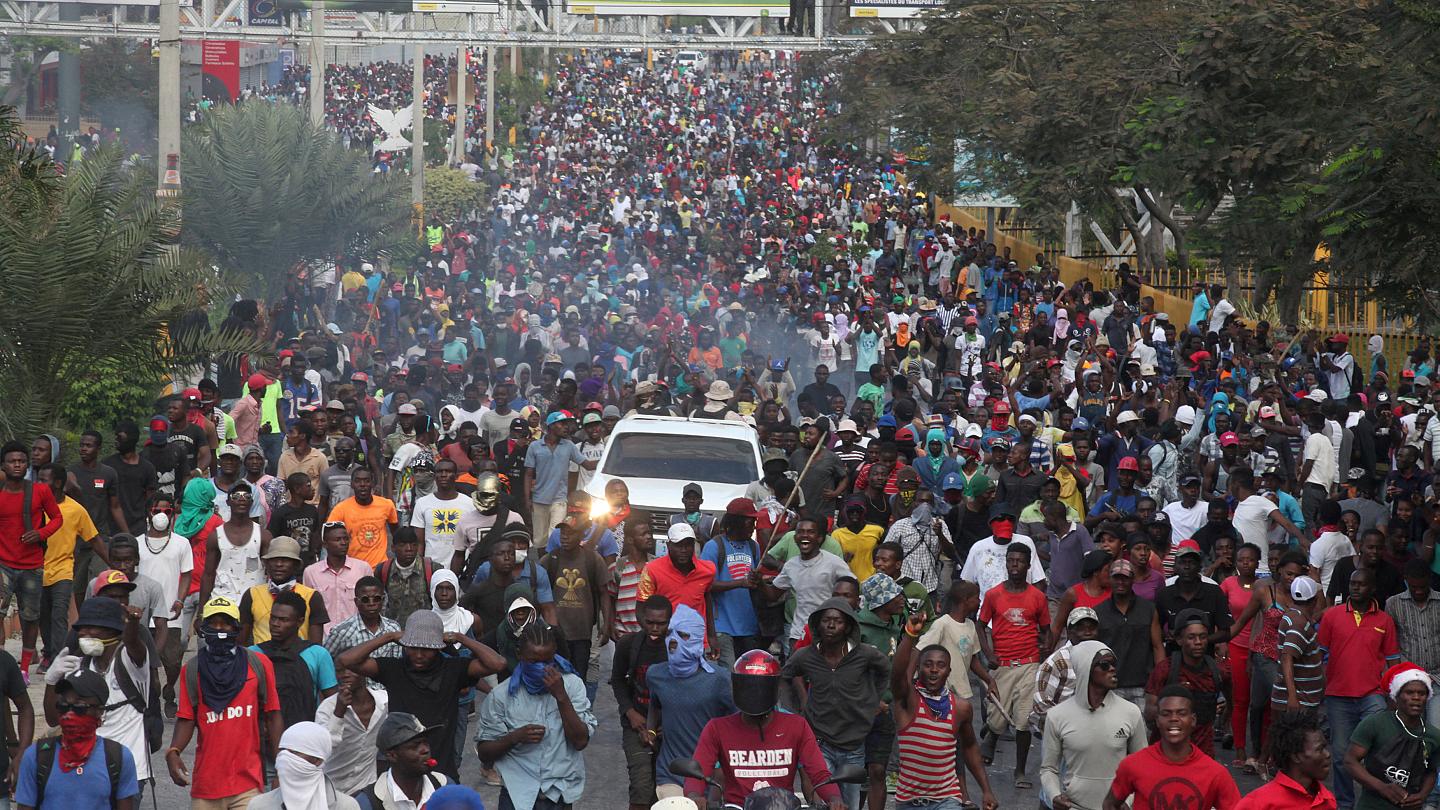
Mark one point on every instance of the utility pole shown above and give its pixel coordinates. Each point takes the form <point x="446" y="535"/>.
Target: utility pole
<point x="317" y="63"/>
<point x="68" y="89"/>
<point x="168" y="162"/>
<point x="417" y="151"/>
<point x="462" y="61"/>
<point x="489" y="98"/>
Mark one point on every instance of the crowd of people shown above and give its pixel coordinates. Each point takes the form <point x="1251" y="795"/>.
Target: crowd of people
<point x="994" y="509"/>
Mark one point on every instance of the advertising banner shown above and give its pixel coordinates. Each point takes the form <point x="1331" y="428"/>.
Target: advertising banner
<point x="220" y="64"/>
<point x="892" y="9"/>
<point x="397" y="6"/>
<point x="663" y="8"/>
<point x="264" y="13"/>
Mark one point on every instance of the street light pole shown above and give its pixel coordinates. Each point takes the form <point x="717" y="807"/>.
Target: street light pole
<point x="168" y="159"/>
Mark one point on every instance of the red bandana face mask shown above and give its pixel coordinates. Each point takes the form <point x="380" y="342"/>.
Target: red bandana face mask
<point x="77" y="739"/>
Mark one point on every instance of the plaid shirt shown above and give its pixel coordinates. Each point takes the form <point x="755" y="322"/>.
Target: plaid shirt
<point x="922" y="552"/>
<point x="1054" y="683"/>
<point x="352" y="633"/>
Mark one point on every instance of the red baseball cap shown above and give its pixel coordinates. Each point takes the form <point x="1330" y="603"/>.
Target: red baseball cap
<point x="1128" y="463"/>
<point x="743" y="507"/>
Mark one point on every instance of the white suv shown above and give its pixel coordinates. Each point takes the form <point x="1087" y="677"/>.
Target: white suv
<point x="656" y="456"/>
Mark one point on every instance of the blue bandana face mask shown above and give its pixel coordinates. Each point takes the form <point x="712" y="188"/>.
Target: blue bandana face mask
<point x="531" y="674"/>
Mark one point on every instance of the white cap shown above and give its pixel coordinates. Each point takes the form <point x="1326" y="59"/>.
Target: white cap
<point x="406" y="410"/>
<point x="1317" y="396"/>
<point x="847" y="424"/>
<point x="1127" y="416"/>
<point x="680" y="532"/>
<point x="1185" y="414"/>
<point x="675" y="803"/>
<point x="229" y="450"/>
<point x="1303" y="589"/>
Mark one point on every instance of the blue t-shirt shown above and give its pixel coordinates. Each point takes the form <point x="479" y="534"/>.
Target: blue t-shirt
<point x="85" y="788"/>
<point x="734" y="612"/>
<point x="686" y="705"/>
<point x="552" y="469"/>
<point x="605" y="546"/>
<point x="1124" y="504"/>
<point x="322" y="667"/>
<point x="542" y="588"/>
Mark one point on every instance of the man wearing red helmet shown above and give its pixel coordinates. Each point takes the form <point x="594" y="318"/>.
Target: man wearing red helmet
<point x="756" y="747"/>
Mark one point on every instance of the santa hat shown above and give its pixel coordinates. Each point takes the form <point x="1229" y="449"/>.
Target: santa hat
<point x="1405" y="672"/>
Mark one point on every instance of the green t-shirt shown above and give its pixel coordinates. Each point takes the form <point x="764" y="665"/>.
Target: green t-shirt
<point x="785" y="548"/>
<point x="731" y="350"/>
<point x="1393" y="754"/>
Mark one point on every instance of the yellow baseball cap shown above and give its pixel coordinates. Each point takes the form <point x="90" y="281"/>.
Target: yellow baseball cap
<point x="220" y="606"/>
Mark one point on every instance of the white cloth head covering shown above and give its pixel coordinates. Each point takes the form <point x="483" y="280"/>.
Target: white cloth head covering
<point x="1376" y="344"/>
<point x="302" y="782"/>
<point x="456" y="619"/>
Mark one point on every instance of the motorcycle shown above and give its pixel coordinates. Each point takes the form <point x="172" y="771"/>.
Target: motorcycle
<point x="769" y="798"/>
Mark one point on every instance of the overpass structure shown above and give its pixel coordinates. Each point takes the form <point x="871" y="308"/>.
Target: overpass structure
<point x="709" y="26"/>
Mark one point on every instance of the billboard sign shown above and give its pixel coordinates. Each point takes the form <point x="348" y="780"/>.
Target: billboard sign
<point x="698" y="8"/>
<point x="396" y="6"/>
<point x="220" y="64"/>
<point x="264" y="13"/>
<point x="892" y="9"/>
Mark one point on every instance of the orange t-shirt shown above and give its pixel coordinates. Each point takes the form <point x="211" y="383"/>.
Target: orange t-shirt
<point x="367" y="527"/>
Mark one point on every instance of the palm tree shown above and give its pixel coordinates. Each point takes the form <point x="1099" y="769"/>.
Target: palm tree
<point x="266" y="192"/>
<point x="92" y="279"/>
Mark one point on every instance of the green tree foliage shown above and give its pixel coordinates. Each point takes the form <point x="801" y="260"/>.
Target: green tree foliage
<point x="94" y="285"/>
<point x="450" y="193"/>
<point x="265" y="192"/>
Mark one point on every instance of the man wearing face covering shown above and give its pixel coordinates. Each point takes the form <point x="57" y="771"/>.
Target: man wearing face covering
<point x="300" y="769"/>
<point x="1088" y="735"/>
<point x="227" y="696"/>
<point x="480" y="527"/>
<point x="78" y="760"/>
<point x="686" y="692"/>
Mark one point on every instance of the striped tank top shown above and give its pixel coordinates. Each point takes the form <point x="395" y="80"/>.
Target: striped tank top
<point x="927" y="754"/>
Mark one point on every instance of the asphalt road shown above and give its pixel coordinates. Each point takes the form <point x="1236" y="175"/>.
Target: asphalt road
<point x="606" y="781"/>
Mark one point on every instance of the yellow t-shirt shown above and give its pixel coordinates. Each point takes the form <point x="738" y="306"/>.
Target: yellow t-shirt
<point x="860" y="548"/>
<point x="75" y="526"/>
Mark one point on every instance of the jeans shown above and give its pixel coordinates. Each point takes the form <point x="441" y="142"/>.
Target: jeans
<point x="1344" y="714"/>
<point x="926" y="804"/>
<point x="55" y="616"/>
<point x="834" y="758"/>
<point x="1263" y="672"/>
<point x="272" y="444"/>
<point x="541" y="802"/>
<point x="730" y="647"/>
<point x="577" y="652"/>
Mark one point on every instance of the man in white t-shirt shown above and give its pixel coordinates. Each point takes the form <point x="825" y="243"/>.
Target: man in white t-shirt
<point x="985" y="563"/>
<point x="1317" y="468"/>
<point x="1255" y="513"/>
<point x="1189" y="513"/>
<point x="1331" y="546"/>
<point x="436" y="517"/>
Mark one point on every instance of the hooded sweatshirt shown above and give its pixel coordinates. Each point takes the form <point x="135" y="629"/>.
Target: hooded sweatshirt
<point x="1088" y="743"/>
<point x="842" y="700"/>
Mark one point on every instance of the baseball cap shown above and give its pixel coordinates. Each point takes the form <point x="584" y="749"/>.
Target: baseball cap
<point x="1187" y="547"/>
<point x="1001" y="510"/>
<point x="111" y="578"/>
<point x="229" y="450"/>
<point x="978" y="485"/>
<point x="953" y="481"/>
<point x="1189" y="479"/>
<point x="1094" y="560"/>
<point x="1126" y="417"/>
<point x="847" y="425"/>
<point x="1303" y="589"/>
<point x="1128" y="463"/>
<point x="257" y="382"/>
<point x="741" y="506"/>
<point x="1228" y="439"/>
<point x="87" y="683"/>
<point x="219" y="606"/>
<point x="283" y="548"/>
<point x="1080" y="424"/>
<point x="423" y="630"/>
<point x="1122" y="568"/>
<point x="692" y="487"/>
<point x="399" y="728"/>
<point x="519" y="423"/>
<point x="406" y="410"/>
<point x="1080" y="614"/>
<point x="681" y="532"/>
<point x="334" y="405"/>
<point x="591" y="417"/>
<point x="1267" y="412"/>
<point x="557" y="416"/>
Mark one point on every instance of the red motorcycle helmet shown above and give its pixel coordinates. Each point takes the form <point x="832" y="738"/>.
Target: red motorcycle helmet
<point x="755" y="682"/>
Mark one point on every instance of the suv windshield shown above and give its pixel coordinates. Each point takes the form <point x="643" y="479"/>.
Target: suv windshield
<point x="682" y="458"/>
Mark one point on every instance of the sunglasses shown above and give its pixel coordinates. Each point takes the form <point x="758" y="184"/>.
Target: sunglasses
<point x="332" y="524"/>
<point x="64" y="707"/>
<point x="369" y="600"/>
<point x="1105" y="665"/>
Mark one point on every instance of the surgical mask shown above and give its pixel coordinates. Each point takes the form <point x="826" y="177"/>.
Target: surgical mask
<point x="160" y="521"/>
<point x="92" y="647"/>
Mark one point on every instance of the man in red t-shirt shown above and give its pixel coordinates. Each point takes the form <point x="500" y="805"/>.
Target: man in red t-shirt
<point x="1172" y="772"/>
<point x="221" y="698"/>
<point x="1014" y="623"/>
<point x="22" y="547"/>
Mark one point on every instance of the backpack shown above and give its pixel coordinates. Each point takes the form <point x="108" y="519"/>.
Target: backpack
<point x="147" y="705"/>
<point x="1206" y="703"/>
<point x="45" y="763"/>
<point x="262" y="686"/>
<point x="382" y="572"/>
